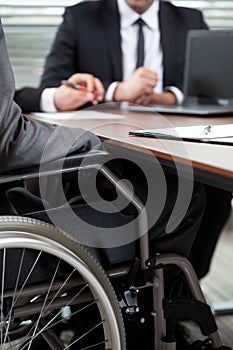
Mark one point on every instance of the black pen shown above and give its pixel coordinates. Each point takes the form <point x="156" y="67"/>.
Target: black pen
<point x="79" y="87"/>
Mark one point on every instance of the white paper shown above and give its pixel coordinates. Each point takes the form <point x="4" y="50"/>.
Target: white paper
<point x="78" y="115"/>
<point x="206" y="132"/>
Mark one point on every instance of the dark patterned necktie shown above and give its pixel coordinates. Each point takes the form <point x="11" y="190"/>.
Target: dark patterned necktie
<point x="140" y="46"/>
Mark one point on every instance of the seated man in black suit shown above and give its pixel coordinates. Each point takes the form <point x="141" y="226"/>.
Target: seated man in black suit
<point x="100" y="38"/>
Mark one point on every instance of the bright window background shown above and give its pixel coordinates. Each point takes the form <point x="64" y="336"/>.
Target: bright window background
<point x="30" y="26"/>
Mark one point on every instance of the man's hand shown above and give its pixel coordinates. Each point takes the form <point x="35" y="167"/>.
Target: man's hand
<point x="142" y="82"/>
<point x="67" y="98"/>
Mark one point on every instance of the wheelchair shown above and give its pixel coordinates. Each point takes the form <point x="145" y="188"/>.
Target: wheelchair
<point x="58" y="294"/>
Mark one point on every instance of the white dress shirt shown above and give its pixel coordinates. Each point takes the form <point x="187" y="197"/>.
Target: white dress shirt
<point x="153" y="58"/>
<point x="129" y="35"/>
<point x="153" y="50"/>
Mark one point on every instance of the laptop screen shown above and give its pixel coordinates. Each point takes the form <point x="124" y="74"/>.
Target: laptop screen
<point x="208" y="73"/>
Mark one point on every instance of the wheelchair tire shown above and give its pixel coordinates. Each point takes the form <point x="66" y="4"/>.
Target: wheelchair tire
<point x="54" y="294"/>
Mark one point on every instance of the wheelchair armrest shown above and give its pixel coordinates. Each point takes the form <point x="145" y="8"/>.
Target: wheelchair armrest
<point x="64" y="165"/>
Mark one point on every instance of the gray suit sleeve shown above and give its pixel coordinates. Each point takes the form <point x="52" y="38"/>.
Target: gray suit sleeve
<point x="24" y="142"/>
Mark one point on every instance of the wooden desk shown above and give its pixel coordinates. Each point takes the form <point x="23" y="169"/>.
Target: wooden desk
<point x="213" y="164"/>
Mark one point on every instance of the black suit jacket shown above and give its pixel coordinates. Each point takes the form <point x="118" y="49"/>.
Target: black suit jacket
<point x="88" y="41"/>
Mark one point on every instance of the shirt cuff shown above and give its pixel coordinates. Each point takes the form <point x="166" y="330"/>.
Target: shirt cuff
<point x="177" y="92"/>
<point x="47" y="100"/>
<point x="110" y="91"/>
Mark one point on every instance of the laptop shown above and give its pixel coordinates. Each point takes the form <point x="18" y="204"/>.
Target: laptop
<point x="208" y="76"/>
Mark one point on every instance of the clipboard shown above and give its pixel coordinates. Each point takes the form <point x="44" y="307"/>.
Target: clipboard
<point x="215" y="134"/>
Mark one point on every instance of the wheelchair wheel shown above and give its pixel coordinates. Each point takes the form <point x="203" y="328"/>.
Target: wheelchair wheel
<point x="54" y="294"/>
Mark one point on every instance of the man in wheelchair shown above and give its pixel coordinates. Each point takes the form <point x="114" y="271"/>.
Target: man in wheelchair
<point x="54" y="294"/>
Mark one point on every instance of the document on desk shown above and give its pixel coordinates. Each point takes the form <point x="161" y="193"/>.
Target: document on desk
<point x="77" y="115"/>
<point x="220" y="134"/>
